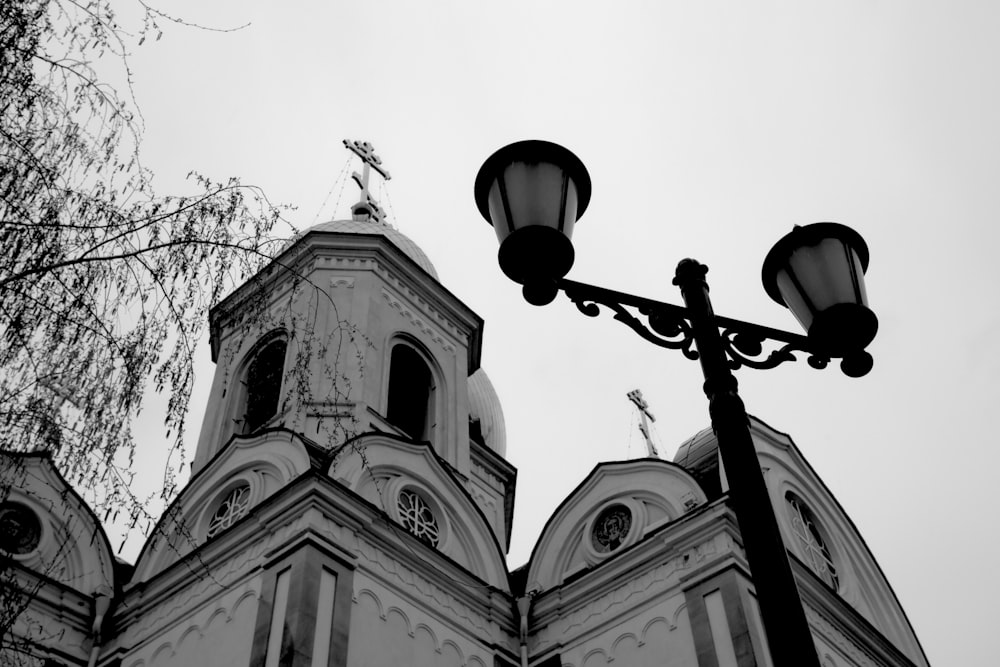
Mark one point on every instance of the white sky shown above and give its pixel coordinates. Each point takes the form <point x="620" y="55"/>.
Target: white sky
<point x="709" y="129"/>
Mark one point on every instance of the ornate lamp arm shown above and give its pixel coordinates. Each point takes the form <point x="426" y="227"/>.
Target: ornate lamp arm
<point x="668" y="325"/>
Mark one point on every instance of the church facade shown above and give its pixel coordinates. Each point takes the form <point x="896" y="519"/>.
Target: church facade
<point x="350" y="504"/>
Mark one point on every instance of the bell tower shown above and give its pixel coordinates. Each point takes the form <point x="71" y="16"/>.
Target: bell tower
<point x="346" y="331"/>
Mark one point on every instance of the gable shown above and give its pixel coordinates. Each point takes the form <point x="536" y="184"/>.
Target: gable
<point x="616" y="506"/>
<point x="819" y="533"/>
<point x="409" y="483"/>
<point x="63" y="539"/>
<point x="246" y="472"/>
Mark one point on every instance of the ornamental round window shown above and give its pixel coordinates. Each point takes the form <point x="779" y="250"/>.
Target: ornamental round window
<point x="20" y="530"/>
<point x="817" y="554"/>
<point x="416" y="515"/>
<point x="611" y="528"/>
<point x="230" y="510"/>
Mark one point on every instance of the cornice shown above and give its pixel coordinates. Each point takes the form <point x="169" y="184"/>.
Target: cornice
<point x="343" y="523"/>
<point x="663" y="561"/>
<point x="356" y="252"/>
<point x="842" y="625"/>
<point x="398" y="303"/>
<point x="504" y="480"/>
<point x="51" y="597"/>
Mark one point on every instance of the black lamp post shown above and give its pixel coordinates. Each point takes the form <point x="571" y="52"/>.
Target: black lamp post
<point x="532" y="192"/>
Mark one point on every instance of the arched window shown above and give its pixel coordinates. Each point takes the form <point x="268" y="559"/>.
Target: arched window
<point x="817" y="554"/>
<point x="263" y="385"/>
<point x="411" y="390"/>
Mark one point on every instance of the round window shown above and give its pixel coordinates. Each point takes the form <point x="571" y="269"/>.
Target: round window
<point x="230" y="510"/>
<point x="416" y="515"/>
<point x="817" y="553"/>
<point x="611" y="528"/>
<point x="20" y="530"/>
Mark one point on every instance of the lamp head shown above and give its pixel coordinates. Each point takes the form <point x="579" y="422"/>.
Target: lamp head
<point x="533" y="192"/>
<point x="817" y="272"/>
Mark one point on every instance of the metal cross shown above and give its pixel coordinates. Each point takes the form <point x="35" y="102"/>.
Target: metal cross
<point x="636" y="397"/>
<point x="366" y="152"/>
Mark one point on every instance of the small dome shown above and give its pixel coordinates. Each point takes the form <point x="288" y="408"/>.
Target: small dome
<point x="699" y="455"/>
<point x="400" y="240"/>
<point x="697" y="451"/>
<point x="484" y="405"/>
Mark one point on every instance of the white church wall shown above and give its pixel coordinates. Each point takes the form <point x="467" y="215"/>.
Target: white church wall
<point x="659" y="636"/>
<point x="388" y="628"/>
<point x="218" y="633"/>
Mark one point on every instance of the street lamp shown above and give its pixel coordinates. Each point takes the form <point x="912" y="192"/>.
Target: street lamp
<point x="533" y="192"/>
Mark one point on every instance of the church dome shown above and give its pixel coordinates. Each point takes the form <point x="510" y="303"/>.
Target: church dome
<point x="484" y="405"/>
<point x="698" y="451"/>
<point x="398" y="238"/>
<point x="699" y="455"/>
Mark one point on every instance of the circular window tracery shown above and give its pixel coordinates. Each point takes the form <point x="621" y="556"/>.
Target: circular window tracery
<point x="418" y="518"/>
<point x="230" y="510"/>
<point x="611" y="528"/>
<point x="20" y="529"/>
<point x="813" y="545"/>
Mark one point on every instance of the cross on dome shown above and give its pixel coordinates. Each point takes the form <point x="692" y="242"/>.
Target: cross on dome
<point x="366" y="208"/>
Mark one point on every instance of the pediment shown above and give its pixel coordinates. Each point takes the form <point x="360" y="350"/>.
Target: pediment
<point x="261" y="465"/>
<point x="392" y="474"/>
<point x="859" y="580"/>
<point x="616" y="506"/>
<point x="62" y="537"/>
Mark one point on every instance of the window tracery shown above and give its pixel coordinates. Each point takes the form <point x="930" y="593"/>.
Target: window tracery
<point x="817" y="554"/>
<point x="230" y="510"/>
<point x="418" y="518"/>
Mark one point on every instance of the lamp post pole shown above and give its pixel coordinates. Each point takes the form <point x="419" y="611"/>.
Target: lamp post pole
<point x="788" y="634"/>
<point x="533" y="192"/>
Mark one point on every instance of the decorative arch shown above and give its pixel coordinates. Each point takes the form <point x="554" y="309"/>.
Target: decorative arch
<point x="413" y="398"/>
<point x="638" y="496"/>
<point x="70" y="545"/>
<point x="389" y="465"/>
<point x="264" y="462"/>
<point x="862" y="583"/>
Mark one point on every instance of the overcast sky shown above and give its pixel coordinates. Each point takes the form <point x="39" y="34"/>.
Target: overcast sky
<point x="709" y="129"/>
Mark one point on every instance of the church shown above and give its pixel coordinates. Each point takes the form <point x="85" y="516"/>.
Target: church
<point x="350" y="504"/>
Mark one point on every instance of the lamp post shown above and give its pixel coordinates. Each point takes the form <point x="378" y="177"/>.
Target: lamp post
<point x="533" y="192"/>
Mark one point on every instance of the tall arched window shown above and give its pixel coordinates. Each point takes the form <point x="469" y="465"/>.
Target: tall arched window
<point x="263" y="384"/>
<point x="411" y="390"/>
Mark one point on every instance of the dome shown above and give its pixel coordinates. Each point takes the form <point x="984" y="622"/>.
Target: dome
<point x="699" y="455"/>
<point x="484" y="405"/>
<point x="398" y="239"/>
<point x="698" y="451"/>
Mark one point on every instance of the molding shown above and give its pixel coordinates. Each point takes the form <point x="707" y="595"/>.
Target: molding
<point x="323" y="251"/>
<point x="397" y="303"/>
<point x="643" y="573"/>
<point x="407" y="579"/>
<point x="836" y="621"/>
<point x="413" y="627"/>
<point x="315" y="506"/>
<point x="636" y="631"/>
<point x="173" y="634"/>
<point x="341" y="282"/>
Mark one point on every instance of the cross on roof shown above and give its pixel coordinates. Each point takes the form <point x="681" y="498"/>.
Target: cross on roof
<point x="365" y="151"/>
<point x="636" y="397"/>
